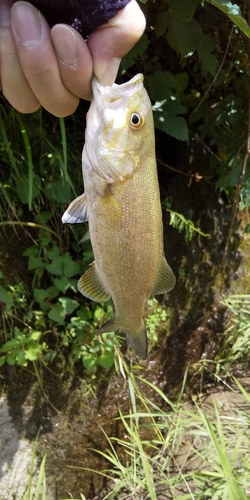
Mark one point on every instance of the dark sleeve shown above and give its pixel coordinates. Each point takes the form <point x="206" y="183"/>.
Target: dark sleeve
<point x="83" y="15"/>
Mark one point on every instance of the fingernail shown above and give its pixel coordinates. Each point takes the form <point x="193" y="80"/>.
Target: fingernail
<point x="27" y="23"/>
<point x="106" y="73"/>
<point x="65" y="43"/>
<point x="5" y="7"/>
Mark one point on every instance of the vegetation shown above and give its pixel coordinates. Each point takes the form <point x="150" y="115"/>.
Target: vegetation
<point x="193" y="450"/>
<point x="196" y="67"/>
<point x="195" y="58"/>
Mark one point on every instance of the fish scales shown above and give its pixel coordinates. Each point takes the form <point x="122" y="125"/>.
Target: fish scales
<point x="122" y="204"/>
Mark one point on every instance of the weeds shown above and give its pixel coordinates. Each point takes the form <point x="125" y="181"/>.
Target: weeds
<point x="192" y="452"/>
<point x="44" y="315"/>
<point x="176" y="450"/>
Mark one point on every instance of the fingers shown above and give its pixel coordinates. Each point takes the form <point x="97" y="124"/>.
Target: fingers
<point x="74" y="60"/>
<point x="40" y="68"/>
<point x="109" y="43"/>
<point x="13" y="82"/>
<point x="53" y="69"/>
<point x="36" y="54"/>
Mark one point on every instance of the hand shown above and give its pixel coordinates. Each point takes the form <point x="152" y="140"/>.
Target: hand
<point x="53" y="68"/>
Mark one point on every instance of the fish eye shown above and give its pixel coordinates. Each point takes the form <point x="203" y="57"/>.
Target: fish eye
<point x="136" y="121"/>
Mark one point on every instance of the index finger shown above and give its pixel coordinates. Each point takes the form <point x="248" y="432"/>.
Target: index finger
<point x="109" y="43"/>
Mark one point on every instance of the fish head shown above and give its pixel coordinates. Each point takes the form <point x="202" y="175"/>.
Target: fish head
<point x="119" y="122"/>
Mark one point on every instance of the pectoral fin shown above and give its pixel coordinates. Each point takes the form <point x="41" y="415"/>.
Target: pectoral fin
<point x="76" y="211"/>
<point x="165" y="280"/>
<point x="91" y="286"/>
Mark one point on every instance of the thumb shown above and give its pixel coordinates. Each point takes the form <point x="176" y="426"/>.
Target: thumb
<point x="109" y="43"/>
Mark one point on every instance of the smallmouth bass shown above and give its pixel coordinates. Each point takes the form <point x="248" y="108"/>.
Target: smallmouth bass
<point x="121" y="202"/>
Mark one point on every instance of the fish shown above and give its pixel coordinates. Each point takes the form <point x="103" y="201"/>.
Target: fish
<point x="121" y="202"/>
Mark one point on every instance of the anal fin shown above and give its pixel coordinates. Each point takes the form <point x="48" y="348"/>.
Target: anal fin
<point x="137" y="339"/>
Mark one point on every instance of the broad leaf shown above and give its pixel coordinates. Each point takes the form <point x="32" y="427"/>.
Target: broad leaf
<point x="58" y="191"/>
<point x="167" y="119"/>
<point x="106" y="360"/>
<point x="160" y="85"/>
<point x="57" y="313"/>
<point x="6" y="298"/>
<point x="69" y="305"/>
<point x="234" y="13"/>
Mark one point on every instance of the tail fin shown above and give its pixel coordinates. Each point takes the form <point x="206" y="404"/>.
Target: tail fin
<point x="138" y="339"/>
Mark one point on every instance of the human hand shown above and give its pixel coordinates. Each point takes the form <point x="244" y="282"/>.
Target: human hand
<point x="53" y="68"/>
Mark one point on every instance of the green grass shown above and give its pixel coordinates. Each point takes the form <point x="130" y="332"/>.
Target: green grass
<point x="178" y="450"/>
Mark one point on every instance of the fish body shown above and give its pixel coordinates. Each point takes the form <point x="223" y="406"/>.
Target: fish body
<point x="122" y="205"/>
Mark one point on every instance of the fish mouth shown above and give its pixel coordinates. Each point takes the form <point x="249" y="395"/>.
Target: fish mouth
<point x="107" y="95"/>
<point x="114" y="98"/>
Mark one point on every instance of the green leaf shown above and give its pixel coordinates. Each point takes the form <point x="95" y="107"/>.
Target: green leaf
<point x="181" y="82"/>
<point x="30" y="251"/>
<point x="53" y="291"/>
<point x="160" y="85"/>
<point x="184" y="10"/>
<point x="35" y="262"/>
<point x="167" y="119"/>
<point x="208" y="61"/>
<point x="232" y="177"/>
<point x="20" y="358"/>
<point x="69" y="305"/>
<point x="98" y="314"/>
<point x="6" y="298"/>
<point x="58" y="191"/>
<point x="188" y="37"/>
<point x="161" y="24"/>
<point x="23" y="188"/>
<point x="106" y="360"/>
<point x="2" y="360"/>
<point x="55" y="267"/>
<point x="182" y="36"/>
<point x="62" y="284"/>
<point x="137" y="51"/>
<point x="40" y="295"/>
<point x="70" y="267"/>
<point x="89" y="361"/>
<point x="35" y="336"/>
<point x="32" y="353"/>
<point x="234" y="13"/>
<point x="57" y="313"/>
<point x="9" y="345"/>
<point x="245" y="197"/>
<point x="45" y="216"/>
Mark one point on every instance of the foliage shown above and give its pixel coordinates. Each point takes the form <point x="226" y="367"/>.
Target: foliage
<point x="187" y="450"/>
<point x="47" y="318"/>
<point x="236" y="345"/>
<point x="179" y="222"/>
<point x="155" y="319"/>
<point x="195" y="59"/>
